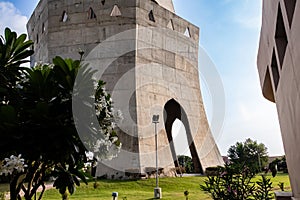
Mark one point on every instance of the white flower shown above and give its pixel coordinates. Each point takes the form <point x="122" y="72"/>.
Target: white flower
<point x="14" y="163"/>
<point x="114" y="139"/>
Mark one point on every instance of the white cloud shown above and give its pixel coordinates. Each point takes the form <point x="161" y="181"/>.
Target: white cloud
<point x="11" y="17"/>
<point x="251" y="115"/>
<point x="251" y="22"/>
<point x="249" y="14"/>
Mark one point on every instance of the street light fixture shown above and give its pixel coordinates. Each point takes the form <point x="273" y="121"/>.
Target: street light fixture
<point x="157" y="189"/>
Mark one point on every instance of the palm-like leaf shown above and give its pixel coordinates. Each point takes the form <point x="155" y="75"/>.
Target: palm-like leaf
<point x="13" y="52"/>
<point x="14" y="49"/>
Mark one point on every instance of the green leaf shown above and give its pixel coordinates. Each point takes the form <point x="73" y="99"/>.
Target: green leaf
<point x="22" y="55"/>
<point x="42" y="108"/>
<point x="8" y="114"/>
<point x="77" y="182"/>
<point x="71" y="189"/>
<point x="7" y="33"/>
<point x="58" y="61"/>
<point x="62" y="190"/>
<point x="23" y="46"/>
<point x="80" y="174"/>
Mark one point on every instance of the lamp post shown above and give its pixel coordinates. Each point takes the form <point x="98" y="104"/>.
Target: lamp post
<point x="157" y="189"/>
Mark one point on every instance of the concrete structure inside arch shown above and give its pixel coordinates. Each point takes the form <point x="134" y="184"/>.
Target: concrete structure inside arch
<point x="149" y="66"/>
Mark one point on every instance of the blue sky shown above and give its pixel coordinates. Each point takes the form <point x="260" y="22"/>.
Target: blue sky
<point x="229" y="32"/>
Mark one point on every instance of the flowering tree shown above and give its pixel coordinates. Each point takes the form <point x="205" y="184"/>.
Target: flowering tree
<point x="36" y="120"/>
<point x="14" y="164"/>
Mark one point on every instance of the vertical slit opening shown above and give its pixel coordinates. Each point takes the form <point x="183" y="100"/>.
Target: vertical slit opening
<point x="275" y="71"/>
<point x="171" y="25"/>
<point x="43" y="28"/>
<point x="64" y="16"/>
<point x="280" y="37"/>
<point x="91" y="14"/>
<point x="290" y="9"/>
<point x="187" y="32"/>
<point x="151" y="16"/>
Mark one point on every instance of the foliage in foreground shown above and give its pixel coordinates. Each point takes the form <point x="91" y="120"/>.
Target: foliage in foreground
<point x="36" y="120"/>
<point x="237" y="184"/>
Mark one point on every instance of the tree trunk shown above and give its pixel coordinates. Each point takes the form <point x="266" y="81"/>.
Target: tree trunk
<point x="65" y="196"/>
<point x="14" y="188"/>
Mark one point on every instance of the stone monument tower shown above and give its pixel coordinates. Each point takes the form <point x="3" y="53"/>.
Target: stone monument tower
<point x="148" y="56"/>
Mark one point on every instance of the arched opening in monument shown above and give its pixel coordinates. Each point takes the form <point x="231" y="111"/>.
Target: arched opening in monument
<point x="172" y="111"/>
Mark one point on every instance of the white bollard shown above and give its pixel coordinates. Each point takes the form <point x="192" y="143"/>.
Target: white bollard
<point x="157" y="193"/>
<point x="115" y="195"/>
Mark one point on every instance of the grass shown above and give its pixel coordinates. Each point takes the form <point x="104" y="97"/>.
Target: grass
<point x="280" y="177"/>
<point x="172" y="188"/>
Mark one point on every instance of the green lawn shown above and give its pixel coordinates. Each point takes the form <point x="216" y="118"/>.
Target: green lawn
<point x="172" y="188"/>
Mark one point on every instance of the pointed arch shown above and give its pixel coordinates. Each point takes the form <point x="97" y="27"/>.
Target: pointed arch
<point x="64" y="16"/>
<point x="103" y="2"/>
<point x="187" y="32"/>
<point x="172" y="111"/>
<point x="171" y="25"/>
<point x="151" y="16"/>
<point x="91" y="14"/>
<point x="115" y="11"/>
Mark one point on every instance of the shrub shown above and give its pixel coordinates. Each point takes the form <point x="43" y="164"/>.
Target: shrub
<point x="263" y="189"/>
<point x="212" y="171"/>
<point x="234" y="183"/>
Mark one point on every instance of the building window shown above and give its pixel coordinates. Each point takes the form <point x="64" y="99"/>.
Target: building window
<point x="37" y="38"/>
<point x="115" y="11"/>
<point x="43" y="28"/>
<point x="187" y="32"/>
<point x="151" y="16"/>
<point x="275" y="71"/>
<point x="171" y="25"/>
<point x="64" y="16"/>
<point x="103" y="2"/>
<point x="91" y="14"/>
<point x="280" y="37"/>
<point x="290" y="9"/>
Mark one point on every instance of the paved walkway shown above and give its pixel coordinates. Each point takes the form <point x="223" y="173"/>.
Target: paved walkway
<point x="48" y="186"/>
<point x="191" y="175"/>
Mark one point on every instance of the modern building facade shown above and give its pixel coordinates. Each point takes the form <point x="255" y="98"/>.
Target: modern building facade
<point x="148" y="56"/>
<point x="278" y="60"/>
